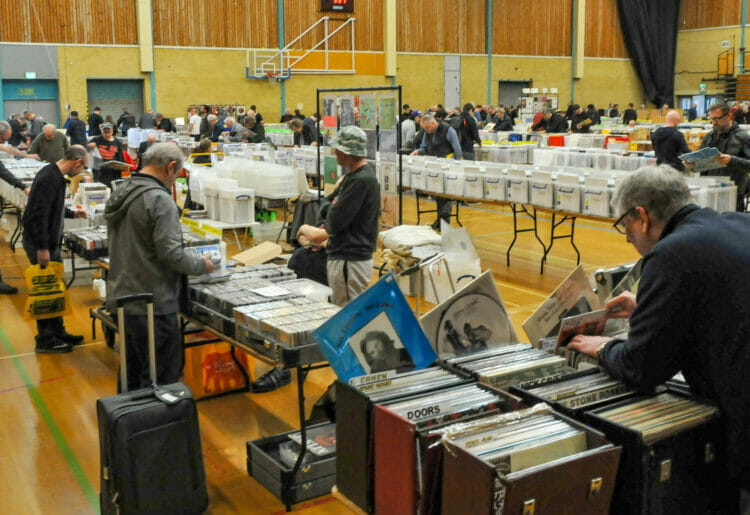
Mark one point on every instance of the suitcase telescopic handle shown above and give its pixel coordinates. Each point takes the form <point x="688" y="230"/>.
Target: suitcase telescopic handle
<point x="148" y="298"/>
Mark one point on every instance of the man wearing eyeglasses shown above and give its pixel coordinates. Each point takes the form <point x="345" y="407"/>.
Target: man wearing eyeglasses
<point x="734" y="145"/>
<point x="692" y="312"/>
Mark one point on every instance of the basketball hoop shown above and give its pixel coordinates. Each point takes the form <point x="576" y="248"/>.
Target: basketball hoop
<point x="271" y="76"/>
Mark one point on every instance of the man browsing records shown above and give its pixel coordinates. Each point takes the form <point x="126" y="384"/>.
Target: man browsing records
<point x="146" y="256"/>
<point x="110" y="149"/>
<point x="691" y="313"/>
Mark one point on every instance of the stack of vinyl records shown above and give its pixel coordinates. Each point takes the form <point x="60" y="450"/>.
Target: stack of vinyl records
<point x="582" y="391"/>
<point x="446" y="404"/>
<point x="512" y="364"/>
<point x="321" y="444"/>
<point x="427" y="379"/>
<point x="661" y="416"/>
<point x="520" y="440"/>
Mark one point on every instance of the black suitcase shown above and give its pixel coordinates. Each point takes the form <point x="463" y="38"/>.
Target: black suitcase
<point x="149" y="442"/>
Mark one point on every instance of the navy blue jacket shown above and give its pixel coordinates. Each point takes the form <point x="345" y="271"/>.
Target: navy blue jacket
<point x="693" y="315"/>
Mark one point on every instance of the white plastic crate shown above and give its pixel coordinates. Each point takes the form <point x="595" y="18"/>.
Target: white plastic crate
<point x="473" y="182"/>
<point x="597" y="194"/>
<point x="434" y="178"/>
<point x="542" y="191"/>
<point x="237" y="206"/>
<point x="517" y="186"/>
<point x="268" y="232"/>
<point x="568" y="193"/>
<point x="454" y="183"/>
<point x="495" y="187"/>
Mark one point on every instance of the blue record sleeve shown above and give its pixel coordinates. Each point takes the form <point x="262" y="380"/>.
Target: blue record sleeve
<point x="377" y="332"/>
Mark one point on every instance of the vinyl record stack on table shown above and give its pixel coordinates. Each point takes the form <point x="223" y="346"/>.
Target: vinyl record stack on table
<point x="354" y="430"/>
<point x="577" y="392"/>
<point x="402" y="452"/>
<point x="527" y="461"/>
<point x="672" y="461"/>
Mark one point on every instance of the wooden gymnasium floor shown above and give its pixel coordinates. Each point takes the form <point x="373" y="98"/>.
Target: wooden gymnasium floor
<point x="48" y="432"/>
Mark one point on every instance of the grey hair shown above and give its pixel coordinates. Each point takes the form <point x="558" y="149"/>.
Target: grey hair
<point x="660" y="190"/>
<point x="228" y="119"/>
<point x="74" y="152"/>
<point x="161" y="154"/>
<point x="4" y="126"/>
<point x="428" y="118"/>
<point x="212" y="117"/>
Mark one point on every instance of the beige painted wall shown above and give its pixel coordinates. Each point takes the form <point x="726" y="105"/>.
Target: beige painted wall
<point x="697" y="53"/>
<point x="189" y="76"/>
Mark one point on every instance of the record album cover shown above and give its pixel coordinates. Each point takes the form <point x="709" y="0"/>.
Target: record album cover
<point x="376" y="332"/>
<point x="471" y="320"/>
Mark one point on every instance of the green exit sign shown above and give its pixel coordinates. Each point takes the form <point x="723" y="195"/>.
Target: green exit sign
<point x="26" y="92"/>
<point x="31" y="75"/>
<point x="703" y="86"/>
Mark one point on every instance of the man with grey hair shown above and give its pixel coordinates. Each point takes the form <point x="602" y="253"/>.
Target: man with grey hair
<point x="146" y="256"/>
<point x="734" y="146"/>
<point x="164" y="124"/>
<point x="691" y="313"/>
<point x="669" y="143"/>
<point x="6" y="133"/>
<point x="440" y="140"/>
<point x="50" y="145"/>
<point x="42" y="232"/>
<point x="7" y="176"/>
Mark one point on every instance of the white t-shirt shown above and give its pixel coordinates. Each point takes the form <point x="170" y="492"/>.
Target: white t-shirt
<point x="195" y="125"/>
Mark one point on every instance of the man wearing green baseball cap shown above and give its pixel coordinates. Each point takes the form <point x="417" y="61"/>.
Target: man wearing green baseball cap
<point x="351" y="222"/>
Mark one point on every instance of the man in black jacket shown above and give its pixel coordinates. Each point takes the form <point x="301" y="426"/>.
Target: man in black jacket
<point x="76" y="130"/>
<point x="42" y="232"/>
<point x="581" y="121"/>
<point x="629" y="114"/>
<point x="693" y="112"/>
<point x="691" y="313"/>
<point x="125" y="121"/>
<point x="503" y="122"/>
<point x="470" y="132"/>
<point x="669" y="143"/>
<point x="551" y="122"/>
<point x="351" y="224"/>
<point x="95" y="122"/>
<point x="734" y="145"/>
<point x="304" y="133"/>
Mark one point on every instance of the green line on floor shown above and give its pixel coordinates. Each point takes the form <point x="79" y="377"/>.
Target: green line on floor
<point x="62" y="444"/>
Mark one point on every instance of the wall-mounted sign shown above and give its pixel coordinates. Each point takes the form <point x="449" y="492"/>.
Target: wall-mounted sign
<point x="26" y="92"/>
<point x="339" y="6"/>
<point x="31" y="75"/>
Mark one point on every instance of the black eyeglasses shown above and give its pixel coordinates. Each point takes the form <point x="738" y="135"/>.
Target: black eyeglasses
<point x="717" y="118"/>
<point x="619" y="225"/>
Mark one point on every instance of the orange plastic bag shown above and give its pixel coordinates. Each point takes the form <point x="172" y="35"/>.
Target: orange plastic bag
<point x="210" y="369"/>
<point x="48" y="297"/>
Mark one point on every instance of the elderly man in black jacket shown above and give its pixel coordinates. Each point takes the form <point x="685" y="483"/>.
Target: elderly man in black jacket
<point x="692" y="312"/>
<point x="734" y="145"/>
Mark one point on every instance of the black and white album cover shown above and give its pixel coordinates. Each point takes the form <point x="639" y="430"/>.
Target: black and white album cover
<point x="378" y="347"/>
<point x="471" y="320"/>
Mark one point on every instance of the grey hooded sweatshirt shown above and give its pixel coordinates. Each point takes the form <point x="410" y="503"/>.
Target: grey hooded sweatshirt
<point x="145" y="246"/>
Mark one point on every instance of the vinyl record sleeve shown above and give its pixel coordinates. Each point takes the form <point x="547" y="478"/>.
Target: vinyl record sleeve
<point x="375" y="332"/>
<point x="471" y="320"/>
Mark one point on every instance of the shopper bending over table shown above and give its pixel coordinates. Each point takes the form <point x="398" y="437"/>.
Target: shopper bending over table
<point x="692" y="312"/>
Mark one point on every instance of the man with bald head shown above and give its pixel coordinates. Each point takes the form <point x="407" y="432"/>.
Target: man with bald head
<point x="50" y="144"/>
<point x="669" y="143"/>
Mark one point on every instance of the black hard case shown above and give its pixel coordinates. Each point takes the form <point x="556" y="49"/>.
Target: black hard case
<point x="150" y="451"/>
<point x="311" y="480"/>
<point x="682" y="473"/>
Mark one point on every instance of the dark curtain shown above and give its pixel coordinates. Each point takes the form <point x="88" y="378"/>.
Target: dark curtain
<point x="649" y="28"/>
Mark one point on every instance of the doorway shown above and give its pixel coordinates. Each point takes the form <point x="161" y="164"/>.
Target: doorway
<point x="509" y="91"/>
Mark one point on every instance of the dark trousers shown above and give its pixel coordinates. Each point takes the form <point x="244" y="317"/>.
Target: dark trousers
<point x="46" y="328"/>
<point x="169" y="352"/>
<point x="444" y="207"/>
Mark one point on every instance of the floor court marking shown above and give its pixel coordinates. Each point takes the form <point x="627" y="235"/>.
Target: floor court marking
<point x="54" y="429"/>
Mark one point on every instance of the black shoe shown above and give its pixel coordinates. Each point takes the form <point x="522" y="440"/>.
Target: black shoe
<point x="53" y="346"/>
<point x="73" y="339"/>
<point x="272" y="380"/>
<point x="7" y="288"/>
<point x="436" y="224"/>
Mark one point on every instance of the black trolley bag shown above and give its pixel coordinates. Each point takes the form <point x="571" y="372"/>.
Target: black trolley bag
<point x="149" y="441"/>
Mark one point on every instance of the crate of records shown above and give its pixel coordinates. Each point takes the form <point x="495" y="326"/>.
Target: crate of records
<point x="272" y="461"/>
<point x="672" y="460"/>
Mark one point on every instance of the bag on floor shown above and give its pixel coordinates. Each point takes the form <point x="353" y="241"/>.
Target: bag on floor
<point x="48" y="297"/>
<point x="211" y="370"/>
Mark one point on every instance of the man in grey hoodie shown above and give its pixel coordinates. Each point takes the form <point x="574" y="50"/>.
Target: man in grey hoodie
<point x="146" y="256"/>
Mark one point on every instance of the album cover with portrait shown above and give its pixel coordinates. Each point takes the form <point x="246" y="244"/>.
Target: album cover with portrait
<point x="376" y="333"/>
<point x="471" y="320"/>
